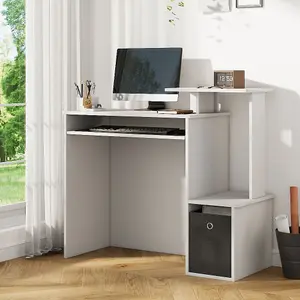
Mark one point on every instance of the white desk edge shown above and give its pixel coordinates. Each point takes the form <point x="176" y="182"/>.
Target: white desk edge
<point x="138" y="114"/>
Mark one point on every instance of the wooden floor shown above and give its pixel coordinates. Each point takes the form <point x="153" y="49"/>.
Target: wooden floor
<point x="126" y="274"/>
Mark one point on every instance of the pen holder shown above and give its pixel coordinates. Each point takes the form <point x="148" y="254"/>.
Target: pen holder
<point x="84" y="103"/>
<point x="87" y="102"/>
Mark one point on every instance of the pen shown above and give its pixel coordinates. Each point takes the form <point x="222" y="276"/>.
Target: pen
<point x="89" y="87"/>
<point x="77" y="89"/>
<point x="85" y="91"/>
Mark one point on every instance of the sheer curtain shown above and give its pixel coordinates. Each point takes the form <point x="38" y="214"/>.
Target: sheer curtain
<point x="48" y="86"/>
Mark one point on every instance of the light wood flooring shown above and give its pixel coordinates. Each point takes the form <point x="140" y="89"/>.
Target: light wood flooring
<point x="126" y="274"/>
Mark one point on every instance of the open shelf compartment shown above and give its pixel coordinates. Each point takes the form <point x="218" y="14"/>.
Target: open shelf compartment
<point x="248" y="243"/>
<point x="79" y="125"/>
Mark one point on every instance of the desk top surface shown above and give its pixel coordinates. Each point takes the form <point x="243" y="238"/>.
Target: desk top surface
<point x="142" y="114"/>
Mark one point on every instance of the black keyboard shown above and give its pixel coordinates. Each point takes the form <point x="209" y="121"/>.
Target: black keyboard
<point x="138" y="130"/>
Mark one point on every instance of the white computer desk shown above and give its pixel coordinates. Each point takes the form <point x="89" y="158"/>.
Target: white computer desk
<point x="126" y="190"/>
<point x="135" y="191"/>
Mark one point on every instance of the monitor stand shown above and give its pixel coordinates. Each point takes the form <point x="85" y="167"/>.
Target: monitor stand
<point x="156" y="105"/>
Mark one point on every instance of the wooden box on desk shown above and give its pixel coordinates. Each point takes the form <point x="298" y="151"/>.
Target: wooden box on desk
<point x="234" y="79"/>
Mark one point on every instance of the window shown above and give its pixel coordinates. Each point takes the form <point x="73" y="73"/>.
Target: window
<point x="12" y="101"/>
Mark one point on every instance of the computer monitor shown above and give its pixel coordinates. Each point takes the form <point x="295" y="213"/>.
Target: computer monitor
<point x="142" y="74"/>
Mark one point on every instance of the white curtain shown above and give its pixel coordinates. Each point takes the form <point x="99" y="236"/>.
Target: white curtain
<point x="48" y="85"/>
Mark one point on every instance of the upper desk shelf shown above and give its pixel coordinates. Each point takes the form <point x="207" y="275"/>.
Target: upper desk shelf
<point x="219" y="90"/>
<point x="200" y="105"/>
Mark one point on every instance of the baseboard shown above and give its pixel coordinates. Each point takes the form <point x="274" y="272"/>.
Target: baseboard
<point x="276" y="262"/>
<point x="11" y="237"/>
<point x="13" y="252"/>
<point x="12" y="242"/>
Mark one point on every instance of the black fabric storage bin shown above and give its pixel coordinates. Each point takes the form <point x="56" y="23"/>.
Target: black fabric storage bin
<point x="289" y="250"/>
<point x="210" y="244"/>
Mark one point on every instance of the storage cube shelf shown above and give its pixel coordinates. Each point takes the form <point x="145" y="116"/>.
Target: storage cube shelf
<point x="248" y="240"/>
<point x="222" y="177"/>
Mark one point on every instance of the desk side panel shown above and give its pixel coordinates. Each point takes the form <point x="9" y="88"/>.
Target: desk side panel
<point x="252" y="238"/>
<point x="87" y="195"/>
<point x="147" y="209"/>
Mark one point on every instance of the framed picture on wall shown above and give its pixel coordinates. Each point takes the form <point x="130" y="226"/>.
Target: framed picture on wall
<point x="249" y="3"/>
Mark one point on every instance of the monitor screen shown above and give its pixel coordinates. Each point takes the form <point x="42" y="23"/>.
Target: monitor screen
<point x="144" y="73"/>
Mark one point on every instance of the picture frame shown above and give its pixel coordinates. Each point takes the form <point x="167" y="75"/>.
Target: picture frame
<point x="249" y="3"/>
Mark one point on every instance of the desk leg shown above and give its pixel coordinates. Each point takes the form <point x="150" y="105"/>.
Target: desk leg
<point x="195" y="102"/>
<point x="201" y="103"/>
<point x="87" y="195"/>
<point x="217" y="105"/>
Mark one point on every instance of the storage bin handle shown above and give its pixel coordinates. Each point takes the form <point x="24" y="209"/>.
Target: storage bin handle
<point x="209" y="226"/>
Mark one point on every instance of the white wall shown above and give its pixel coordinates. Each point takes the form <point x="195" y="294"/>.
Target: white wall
<point x="96" y="46"/>
<point x="265" y="42"/>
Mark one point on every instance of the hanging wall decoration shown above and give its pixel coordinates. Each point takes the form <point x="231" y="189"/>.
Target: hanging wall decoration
<point x="216" y="6"/>
<point x="249" y="3"/>
<point x="172" y="8"/>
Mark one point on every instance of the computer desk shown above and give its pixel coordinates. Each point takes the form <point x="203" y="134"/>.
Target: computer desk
<point x="136" y="191"/>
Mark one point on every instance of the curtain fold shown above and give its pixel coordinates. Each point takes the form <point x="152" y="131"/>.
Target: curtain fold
<point x="48" y="88"/>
